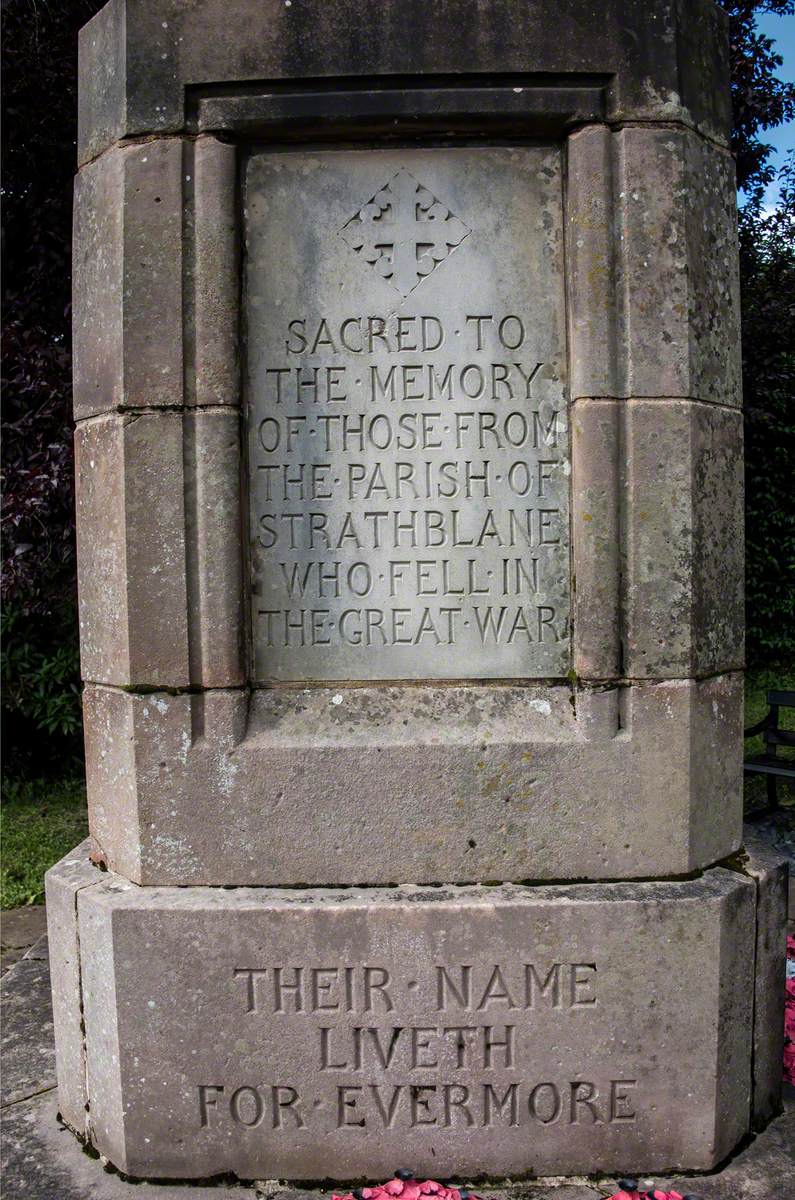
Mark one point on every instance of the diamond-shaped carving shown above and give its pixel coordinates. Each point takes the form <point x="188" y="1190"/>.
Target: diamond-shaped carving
<point x="404" y="232"/>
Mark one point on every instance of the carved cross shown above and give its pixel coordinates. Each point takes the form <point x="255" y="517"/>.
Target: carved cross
<point x="404" y="232"/>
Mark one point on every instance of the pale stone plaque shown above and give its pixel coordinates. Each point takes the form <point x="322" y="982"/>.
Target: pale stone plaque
<point x="408" y="428"/>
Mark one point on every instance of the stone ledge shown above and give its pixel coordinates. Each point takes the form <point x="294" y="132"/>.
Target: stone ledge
<point x="417" y="785"/>
<point x="139" y="62"/>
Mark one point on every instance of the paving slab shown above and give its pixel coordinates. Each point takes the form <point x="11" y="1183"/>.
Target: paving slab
<point x="19" y="929"/>
<point x="42" y="1160"/>
<point x="28" y="1053"/>
<point x="39" y="949"/>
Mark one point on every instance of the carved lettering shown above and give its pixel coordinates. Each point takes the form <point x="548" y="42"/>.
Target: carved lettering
<point x="408" y="463"/>
<point x="464" y="1059"/>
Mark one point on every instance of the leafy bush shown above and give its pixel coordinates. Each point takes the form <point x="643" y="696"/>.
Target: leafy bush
<point x="767" y="273"/>
<point x="40" y="670"/>
<point x="767" y="248"/>
<point x="41" y="712"/>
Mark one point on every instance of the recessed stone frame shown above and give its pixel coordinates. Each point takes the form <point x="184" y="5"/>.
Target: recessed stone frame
<point x="656" y="520"/>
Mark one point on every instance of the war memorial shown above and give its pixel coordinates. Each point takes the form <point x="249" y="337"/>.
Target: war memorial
<point x="409" y="457"/>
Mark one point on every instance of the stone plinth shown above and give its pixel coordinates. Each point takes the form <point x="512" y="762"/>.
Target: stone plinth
<point x="409" y="515"/>
<point x="471" y="1030"/>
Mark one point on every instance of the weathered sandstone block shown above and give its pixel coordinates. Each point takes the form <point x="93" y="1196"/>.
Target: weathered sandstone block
<point x="155" y="268"/>
<point x="128" y="279"/>
<point x="657" y="503"/>
<point x="662" y="62"/>
<point x="654" y="292"/>
<point x="158" y="548"/>
<point x="771" y="875"/>
<point x="63" y="884"/>
<point x="387" y="785"/>
<point x="475" y="1030"/>
<point x="683" y="551"/>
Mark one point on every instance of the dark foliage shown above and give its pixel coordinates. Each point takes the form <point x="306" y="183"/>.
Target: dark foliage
<point x="41" y="711"/>
<point x="760" y="100"/>
<point x="767" y="256"/>
<point x="767" y="271"/>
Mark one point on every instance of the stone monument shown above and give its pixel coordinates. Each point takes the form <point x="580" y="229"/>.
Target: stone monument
<point x="407" y="390"/>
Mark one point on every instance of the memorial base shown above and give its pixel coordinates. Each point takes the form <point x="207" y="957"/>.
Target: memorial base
<point x="476" y="1031"/>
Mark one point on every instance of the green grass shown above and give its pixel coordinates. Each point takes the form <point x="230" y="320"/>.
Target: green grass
<point x="41" y="819"/>
<point x="757" y="684"/>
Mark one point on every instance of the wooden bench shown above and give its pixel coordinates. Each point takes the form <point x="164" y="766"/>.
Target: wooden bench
<point x="769" y="763"/>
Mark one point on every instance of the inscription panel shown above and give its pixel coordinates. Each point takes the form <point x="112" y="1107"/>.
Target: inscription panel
<point x="407" y="419"/>
<point x="467" y="1030"/>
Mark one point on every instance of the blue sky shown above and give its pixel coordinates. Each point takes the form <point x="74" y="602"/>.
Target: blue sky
<point x="782" y="30"/>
